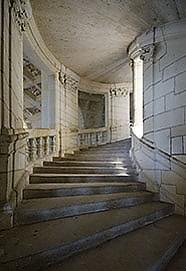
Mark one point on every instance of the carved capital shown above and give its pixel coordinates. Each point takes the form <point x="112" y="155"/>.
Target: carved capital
<point x="22" y="12"/>
<point x="147" y="52"/>
<point x="72" y="83"/>
<point x="120" y="91"/>
<point x="131" y="63"/>
<point x="62" y="77"/>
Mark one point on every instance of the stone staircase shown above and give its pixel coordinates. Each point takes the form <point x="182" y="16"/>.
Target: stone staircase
<point x="91" y="202"/>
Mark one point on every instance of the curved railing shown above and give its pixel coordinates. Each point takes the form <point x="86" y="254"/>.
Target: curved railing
<point x="162" y="153"/>
<point x="161" y="172"/>
<point x="93" y="137"/>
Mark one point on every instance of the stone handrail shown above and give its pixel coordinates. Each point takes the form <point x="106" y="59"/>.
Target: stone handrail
<point x="162" y="153"/>
<point x="40" y="143"/>
<point x="93" y="137"/>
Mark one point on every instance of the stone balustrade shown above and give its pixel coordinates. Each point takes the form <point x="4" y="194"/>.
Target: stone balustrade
<point x="93" y="137"/>
<point x="40" y="143"/>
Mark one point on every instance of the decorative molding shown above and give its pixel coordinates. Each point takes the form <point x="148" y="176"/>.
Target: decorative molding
<point x="31" y="69"/>
<point x="62" y="78"/>
<point x="120" y="91"/>
<point x="22" y="12"/>
<point x="131" y="63"/>
<point x="72" y="83"/>
<point x="33" y="91"/>
<point x="147" y="52"/>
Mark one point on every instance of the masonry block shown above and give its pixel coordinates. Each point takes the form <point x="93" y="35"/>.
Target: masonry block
<point x="169" y="119"/>
<point x="163" y="88"/>
<point x="180" y="83"/>
<point x="177" y="145"/>
<point x="179" y="66"/>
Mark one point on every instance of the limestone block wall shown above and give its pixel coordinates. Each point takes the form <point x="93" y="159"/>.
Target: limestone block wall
<point x="163" y="51"/>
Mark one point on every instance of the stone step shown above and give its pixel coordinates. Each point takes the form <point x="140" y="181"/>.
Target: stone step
<point x="147" y="249"/>
<point x="98" y="156"/>
<point x="71" y="157"/>
<point x="124" y="144"/>
<point x="84" y="164"/>
<point x="33" y="247"/>
<point x="104" y="151"/>
<point x="62" y="190"/>
<point x="178" y="262"/>
<point x="37" y="210"/>
<point x="80" y="178"/>
<point x="82" y="170"/>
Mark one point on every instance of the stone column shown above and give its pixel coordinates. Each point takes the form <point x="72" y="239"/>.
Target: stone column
<point x="71" y="111"/>
<point x="119" y="106"/>
<point x="13" y="16"/>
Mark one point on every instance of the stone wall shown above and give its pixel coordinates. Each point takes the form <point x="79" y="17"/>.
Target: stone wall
<point x="163" y="51"/>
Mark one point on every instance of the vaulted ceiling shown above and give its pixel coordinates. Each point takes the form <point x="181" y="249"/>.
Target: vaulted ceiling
<point x="91" y="36"/>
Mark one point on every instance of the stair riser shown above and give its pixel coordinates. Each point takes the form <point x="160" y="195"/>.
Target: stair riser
<point x="80" y="179"/>
<point x="110" y="147"/>
<point x="32" y="216"/>
<point x="84" y="164"/>
<point x="51" y="256"/>
<point x="112" y="156"/>
<point x="59" y="170"/>
<point x="33" y="194"/>
<point x="126" y="162"/>
<point x="103" y="152"/>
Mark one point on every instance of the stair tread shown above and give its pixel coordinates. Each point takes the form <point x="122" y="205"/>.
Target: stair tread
<point x="80" y="175"/>
<point x="85" y="162"/>
<point x="81" y="185"/>
<point x="33" y="238"/>
<point x="75" y="167"/>
<point x="139" y="250"/>
<point x="62" y="202"/>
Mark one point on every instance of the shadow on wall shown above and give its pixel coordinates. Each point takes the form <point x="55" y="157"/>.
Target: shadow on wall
<point x="91" y="110"/>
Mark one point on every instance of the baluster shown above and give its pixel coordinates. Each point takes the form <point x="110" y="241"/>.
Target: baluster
<point x="54" y="144"/>
<point x="46" y="145"/>
<point x="51" y="144"/>
<point x="86" y="139"/>
<point x="38" y="147"/>
<point x="89" y="141"/>
<point x="28" y="150"/>
<point x="32" y="149"/>
<point x="97" y="138"/>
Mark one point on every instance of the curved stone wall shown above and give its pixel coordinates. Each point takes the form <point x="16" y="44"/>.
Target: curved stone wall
<point x="163" y="51"/>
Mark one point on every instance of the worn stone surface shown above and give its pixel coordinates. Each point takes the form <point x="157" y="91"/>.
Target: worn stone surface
<point x="146" y="249"/>
<point x="38" y="245"/>
<point x="178" y="263"/>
